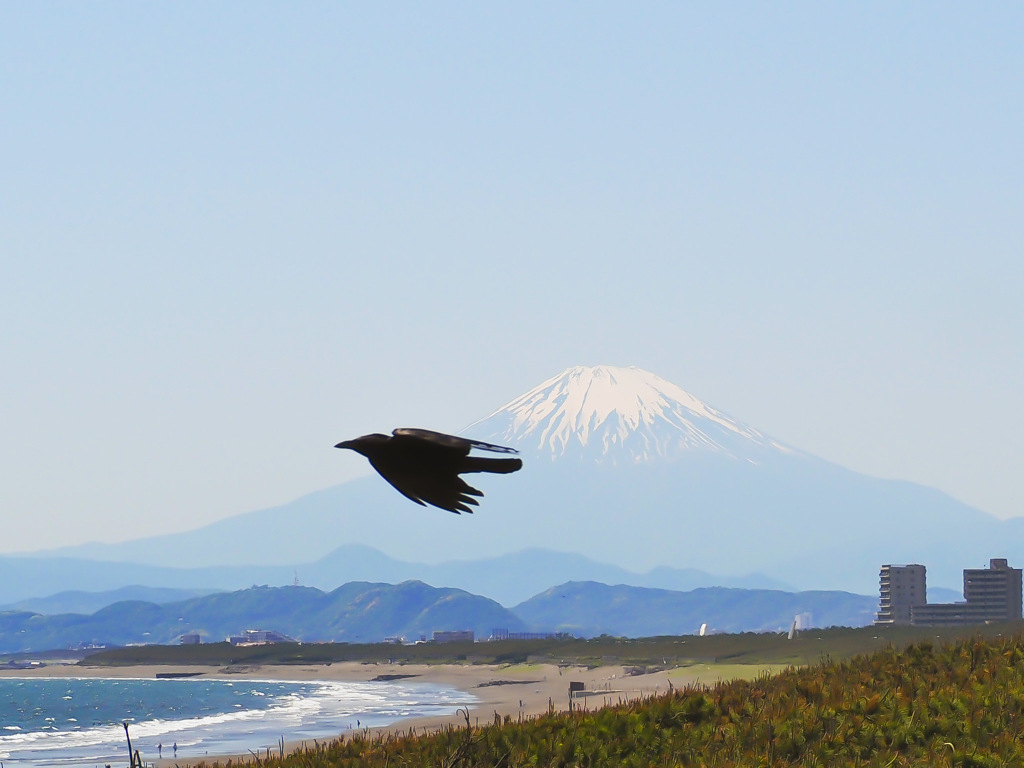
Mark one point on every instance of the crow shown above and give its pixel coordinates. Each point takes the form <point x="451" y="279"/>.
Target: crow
<point x="424" y="466"/>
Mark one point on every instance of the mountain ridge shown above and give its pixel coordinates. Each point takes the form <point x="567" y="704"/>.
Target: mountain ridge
<point x="363" y="612"/>
<point x="589" y="609"/>
<point x="355" y="612"/>
<point x="508" y="579"/>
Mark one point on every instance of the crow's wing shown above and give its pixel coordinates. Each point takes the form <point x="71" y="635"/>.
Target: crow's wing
<point x="451" y="442"/>
<point x="444" y="489"/>
<point x="396" y="481"/>
<point x="455" y="495"/>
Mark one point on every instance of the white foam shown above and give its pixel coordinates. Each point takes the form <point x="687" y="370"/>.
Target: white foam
<point x="324" y="709"/>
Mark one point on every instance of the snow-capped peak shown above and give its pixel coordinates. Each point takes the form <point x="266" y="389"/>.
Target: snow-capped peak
<point x="617" y="414"/>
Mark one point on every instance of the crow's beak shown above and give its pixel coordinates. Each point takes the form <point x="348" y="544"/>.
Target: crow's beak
<point x="344" y="444"/>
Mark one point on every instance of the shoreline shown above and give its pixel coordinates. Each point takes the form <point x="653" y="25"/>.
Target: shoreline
<point x="524" y="690"/>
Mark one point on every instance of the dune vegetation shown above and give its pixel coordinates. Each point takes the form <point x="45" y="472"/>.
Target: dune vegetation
<point x="744" y="648"/>
<point x="960" y="704"/>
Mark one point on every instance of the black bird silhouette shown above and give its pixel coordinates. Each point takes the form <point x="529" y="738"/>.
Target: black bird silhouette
<point x="425" y="466"/>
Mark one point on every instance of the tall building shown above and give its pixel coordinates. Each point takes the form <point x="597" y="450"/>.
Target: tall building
<point x="901" y="587"/>
<point x="996" y="590"/>
<point x="990" y="594"/>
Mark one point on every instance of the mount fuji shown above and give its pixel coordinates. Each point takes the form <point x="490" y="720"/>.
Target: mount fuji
<point x="624" y="467"/>
<point x="619" y="416"/>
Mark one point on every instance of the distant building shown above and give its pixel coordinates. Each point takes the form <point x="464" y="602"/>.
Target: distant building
<point x="21" y="664"/>
<point x="454" y="636"/>
<point x="191" y="638"/>
<point x="901" y="587"/>
<point x="504" y="634"/>
<point x="996" y="589"/>
<point x="990" y="594"/>
<point x="259" y="637"/>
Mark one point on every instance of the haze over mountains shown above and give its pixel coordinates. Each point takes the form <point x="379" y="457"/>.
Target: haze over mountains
<point x="25" y="582"/>
<point x="628" y="469"/>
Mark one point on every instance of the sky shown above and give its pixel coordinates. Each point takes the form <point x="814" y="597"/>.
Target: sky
<point x="234" y="234"/>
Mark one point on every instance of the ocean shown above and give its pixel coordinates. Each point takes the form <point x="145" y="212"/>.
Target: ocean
<point x="49" y="722"/>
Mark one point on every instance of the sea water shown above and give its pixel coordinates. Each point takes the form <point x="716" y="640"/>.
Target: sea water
<point x="46" y="722"/>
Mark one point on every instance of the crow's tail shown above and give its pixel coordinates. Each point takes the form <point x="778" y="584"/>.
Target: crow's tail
<point x="500" y="466"/>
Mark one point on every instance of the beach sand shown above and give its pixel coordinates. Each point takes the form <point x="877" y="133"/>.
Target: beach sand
<point x="512" y="690"/>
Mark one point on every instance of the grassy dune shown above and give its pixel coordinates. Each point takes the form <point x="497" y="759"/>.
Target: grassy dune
<point x="927" y="704"/>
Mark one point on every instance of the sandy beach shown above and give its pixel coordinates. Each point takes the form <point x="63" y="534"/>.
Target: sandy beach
<point x="513" y="690"/>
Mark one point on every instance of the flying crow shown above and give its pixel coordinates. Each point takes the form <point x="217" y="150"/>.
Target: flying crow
<point x="425" y="466"/>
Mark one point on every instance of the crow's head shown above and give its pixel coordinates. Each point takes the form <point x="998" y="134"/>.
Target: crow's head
<point x="366" y="445"/>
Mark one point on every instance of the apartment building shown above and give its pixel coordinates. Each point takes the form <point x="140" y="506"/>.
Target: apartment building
<point x="990" y="594"/>
<point x="901" y="587"/>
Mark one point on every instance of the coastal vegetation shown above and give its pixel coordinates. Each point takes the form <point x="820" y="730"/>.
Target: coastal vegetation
<point x="805" y="648"/>
<point x="956" y="704"/>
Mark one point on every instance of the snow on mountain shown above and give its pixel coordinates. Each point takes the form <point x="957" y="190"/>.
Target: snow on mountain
<point x="618" y="415"/>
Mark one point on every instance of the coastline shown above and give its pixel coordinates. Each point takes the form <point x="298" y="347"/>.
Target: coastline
<point x="500" y="690"/>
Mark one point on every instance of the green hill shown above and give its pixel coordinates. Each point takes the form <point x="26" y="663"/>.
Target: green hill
<point x="362" y="612"/>
<point x="353" y="613"/>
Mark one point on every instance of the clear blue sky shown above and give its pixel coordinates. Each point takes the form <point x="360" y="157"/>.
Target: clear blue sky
<point x="233" y="234"/>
